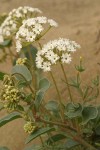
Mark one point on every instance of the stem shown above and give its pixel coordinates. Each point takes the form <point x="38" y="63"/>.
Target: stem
<point x="11" y="55"/>
<point x="44" y="33"/>
<point x="62" y="67"/>
<point x="32" y="90"/>
<point x="58" y="124"/>
<point x="32" y="70"/>
<point x="30" y="56"/>
<point x="40" y="45"/>
<point x="41" y="141"/>
<point x="60" y="101"/>
<point x="59" y="96"/>
<point x="84" y="143"/>
<point x="69" y="129"/>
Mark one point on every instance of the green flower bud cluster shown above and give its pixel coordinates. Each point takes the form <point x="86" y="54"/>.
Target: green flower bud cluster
<point x="8" y="80"/>
<point x="29" y="127"/>
<point x="10" y="106"/>
<point x="10" y="93"/>
<point x="25" y="116"/>
<point x="21" y="61"/>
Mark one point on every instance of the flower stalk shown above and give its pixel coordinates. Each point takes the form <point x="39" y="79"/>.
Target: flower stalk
<point x="59" y="96"/>
<point x="62" y="67"/>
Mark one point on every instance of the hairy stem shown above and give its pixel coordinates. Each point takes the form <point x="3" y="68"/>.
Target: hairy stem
<point x="32" y="69"/>
<point x="69" y="131"/>
<point x="31" y="89"/>
<point x="44" y="33"/>
<point x="62" y="67"/>
<point x="59" y="96"/>
<point x="11" y="55"/>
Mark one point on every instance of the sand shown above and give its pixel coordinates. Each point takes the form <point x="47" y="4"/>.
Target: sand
<point x="78" y="20"/>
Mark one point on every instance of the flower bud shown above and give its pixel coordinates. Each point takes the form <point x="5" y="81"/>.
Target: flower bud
<point x="29" y="127"/>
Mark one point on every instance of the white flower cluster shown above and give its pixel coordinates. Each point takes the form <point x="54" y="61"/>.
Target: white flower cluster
<point x="32" y="29"/>
<point x="54" y="51"/>
<point x="14" y="20"/>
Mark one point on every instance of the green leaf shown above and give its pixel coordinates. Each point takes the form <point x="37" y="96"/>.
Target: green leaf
<point x="1" y="106"/>
<point x="33" y="51"/>
<point x="4" y="148"/>
<point x="88" y="131"/>
<point x="33" y="147"/>
<point x="28" y="98"/>
<point x="22" y="71"/>
<point x="10" y="117"/>
<point x="52" y="106"/>
<point x="97" y="130"/>
<point x="55" y="138"/>
<point x="38" y="133"/>
<point x="6" y="43"/>
<point x="97" y="119"/>
<point x="89" y="113"/>
<point x="73" y="110"/>
<point x="2" y="75"/>
<point x="19" y="107"/>
<point x="39" y="98"/>
<point x="22" y="83"/>
<point x="70" y="144"/>
<point x="44" y="84"/>
<point x="97" y="122"/>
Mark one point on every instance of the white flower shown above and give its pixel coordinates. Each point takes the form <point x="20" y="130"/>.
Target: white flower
<point x="32" y="30"/>
<point x="15" y="19"/>
<point x="66" y="58"/>
<point x="18" y="46"/>
<point x="42" y="20"/>
<point x="46" y="66"/>
<point x="51" y="56"/>
<point x="52" y="23"/>
<point x="55" y="51"/>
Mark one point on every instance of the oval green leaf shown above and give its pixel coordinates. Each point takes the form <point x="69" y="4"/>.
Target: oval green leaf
<point x="22" y="71"/>
<point x="73" y="110"/>
<point x="52" y="106"/>
<point x="38" y="133"/>
<point x="55" y="138"/>
<point x="44" y="84"/>
<point x="10" y="117"/>
<point x="39" y="98"/>
<point x="4" y="148"/>
<point x="89" y="113"/>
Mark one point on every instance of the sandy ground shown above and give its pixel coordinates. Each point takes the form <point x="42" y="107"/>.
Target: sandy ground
<point x="78" y="20"/>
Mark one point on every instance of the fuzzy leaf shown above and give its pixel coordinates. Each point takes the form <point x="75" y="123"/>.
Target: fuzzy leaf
<point x="39" y="98"/>
<point x="4" y="148"/>
<point x="73" y="110"/>
<point x="97" y="129"/>
<point x="2" y="75"/>
<point x="28" y="98"/>
<point x="10" y="117"/>
<point x="70" y="144"/>
<point x="33" y="147"/>
<point x="52" y="106"/>
<point x="89" y="113"/>
<point x="55" y="138"/>
<point x="22" y="71"/>
<point x="6" y="43"/>
<point x="33" y="51"/>
<point x="38" y="133"/>
<point x="1" y="106"/>
<point x="44" y="84"/>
